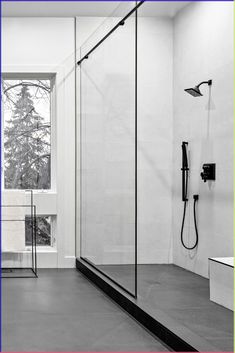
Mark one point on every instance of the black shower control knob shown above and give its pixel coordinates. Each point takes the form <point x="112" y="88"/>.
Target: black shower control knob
<point x="208" y="172"/>
<point x="203" y="177"/>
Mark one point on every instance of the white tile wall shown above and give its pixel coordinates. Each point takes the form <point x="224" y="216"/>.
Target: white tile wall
<point x="204" y="51"/>
<point x="155" y="138"/>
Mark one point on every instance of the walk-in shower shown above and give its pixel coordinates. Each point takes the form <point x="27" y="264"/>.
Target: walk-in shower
<point x="134" y="171"/>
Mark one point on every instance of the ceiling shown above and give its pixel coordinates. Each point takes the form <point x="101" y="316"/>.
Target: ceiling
<point x="84" y="8"/>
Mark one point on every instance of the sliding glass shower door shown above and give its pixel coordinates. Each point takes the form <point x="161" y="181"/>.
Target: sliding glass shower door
<point x="108" y="152"/>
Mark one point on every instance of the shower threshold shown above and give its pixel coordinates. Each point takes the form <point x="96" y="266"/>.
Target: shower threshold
<point x="172" y="303"/>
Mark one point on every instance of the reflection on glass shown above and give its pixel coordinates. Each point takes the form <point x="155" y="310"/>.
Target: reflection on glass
<point x="108" y="156"/>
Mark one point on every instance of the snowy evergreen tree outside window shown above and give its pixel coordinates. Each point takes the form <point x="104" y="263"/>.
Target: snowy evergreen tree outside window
<point x="43" y="231"/>
<point x="27" y="142"/>
<point x="27" y="148"/>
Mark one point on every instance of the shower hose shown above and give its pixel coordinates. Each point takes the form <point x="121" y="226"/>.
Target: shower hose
<point x="195" y="197"/>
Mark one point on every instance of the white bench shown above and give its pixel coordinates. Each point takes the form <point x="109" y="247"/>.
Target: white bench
<point x="221" y="276"/>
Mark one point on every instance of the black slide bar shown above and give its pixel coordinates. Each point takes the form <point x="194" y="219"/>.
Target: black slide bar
<point x="120" y="23"/>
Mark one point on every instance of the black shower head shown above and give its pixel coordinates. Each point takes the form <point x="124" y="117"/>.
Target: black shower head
<point x="195" y="91"/>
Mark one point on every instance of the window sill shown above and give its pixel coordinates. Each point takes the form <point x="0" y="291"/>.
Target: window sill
<point x="40" y="250"/>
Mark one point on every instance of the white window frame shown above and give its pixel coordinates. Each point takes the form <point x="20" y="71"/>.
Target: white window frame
<point x="37" y="76"/>
<point x="53" y="188"/>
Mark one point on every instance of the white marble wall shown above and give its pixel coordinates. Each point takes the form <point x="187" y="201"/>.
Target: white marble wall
<point x="203" y="49"/>
<point x="155" y="138"/>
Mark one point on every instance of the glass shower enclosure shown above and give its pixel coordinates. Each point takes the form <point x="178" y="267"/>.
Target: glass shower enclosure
<point x="108" y="148"/>
<point x="129" y="160"/>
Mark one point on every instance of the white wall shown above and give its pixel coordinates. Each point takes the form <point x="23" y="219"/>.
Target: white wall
<point x="85" y="26"/>
<point x="203" y="49"/>
<point x="155" y="138"/>
<point x="46" y="45"/>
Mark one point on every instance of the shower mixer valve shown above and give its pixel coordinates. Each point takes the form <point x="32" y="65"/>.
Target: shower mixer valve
<point x="208" y="172"/>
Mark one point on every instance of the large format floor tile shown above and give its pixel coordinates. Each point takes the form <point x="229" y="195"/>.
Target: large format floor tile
<point x="63" y="311"/>
<point x="183" y="298"/>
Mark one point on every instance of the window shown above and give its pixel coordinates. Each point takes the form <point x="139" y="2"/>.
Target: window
<point x="27" y="134"/>
<point x="43" y="231"/>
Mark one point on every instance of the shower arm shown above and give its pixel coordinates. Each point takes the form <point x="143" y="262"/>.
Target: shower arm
<point x="209" y="82"/>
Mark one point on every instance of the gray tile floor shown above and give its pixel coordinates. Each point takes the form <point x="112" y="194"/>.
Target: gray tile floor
<point x="63" y="311"/>
<point x="182" y="298"/>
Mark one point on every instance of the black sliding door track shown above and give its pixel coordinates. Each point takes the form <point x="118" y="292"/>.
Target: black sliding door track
<point x="159" y="330"/>
<point x="120" y="23"/>
<point x="108" y="277"/>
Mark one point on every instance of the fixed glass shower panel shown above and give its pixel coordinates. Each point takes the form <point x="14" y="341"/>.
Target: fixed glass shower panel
<point x="108" y="151"/>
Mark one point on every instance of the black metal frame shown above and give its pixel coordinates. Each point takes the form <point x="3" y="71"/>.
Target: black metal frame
<point x="33" y="268"/>
<point x="120" y="23"/>
<point x="136" y="151"/>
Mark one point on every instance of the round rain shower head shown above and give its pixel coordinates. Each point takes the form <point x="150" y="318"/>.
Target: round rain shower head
<point x="195" y="91"/>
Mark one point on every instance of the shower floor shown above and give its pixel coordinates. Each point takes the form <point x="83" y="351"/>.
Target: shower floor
<point x="182" y="299"/>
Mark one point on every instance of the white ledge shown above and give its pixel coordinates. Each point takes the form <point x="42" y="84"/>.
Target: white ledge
<point x="229" y="261"/>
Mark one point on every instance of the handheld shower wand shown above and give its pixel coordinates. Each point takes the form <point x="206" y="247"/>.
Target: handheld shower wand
<point x="185" y="176"/>
<point x="185" y="171"/>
